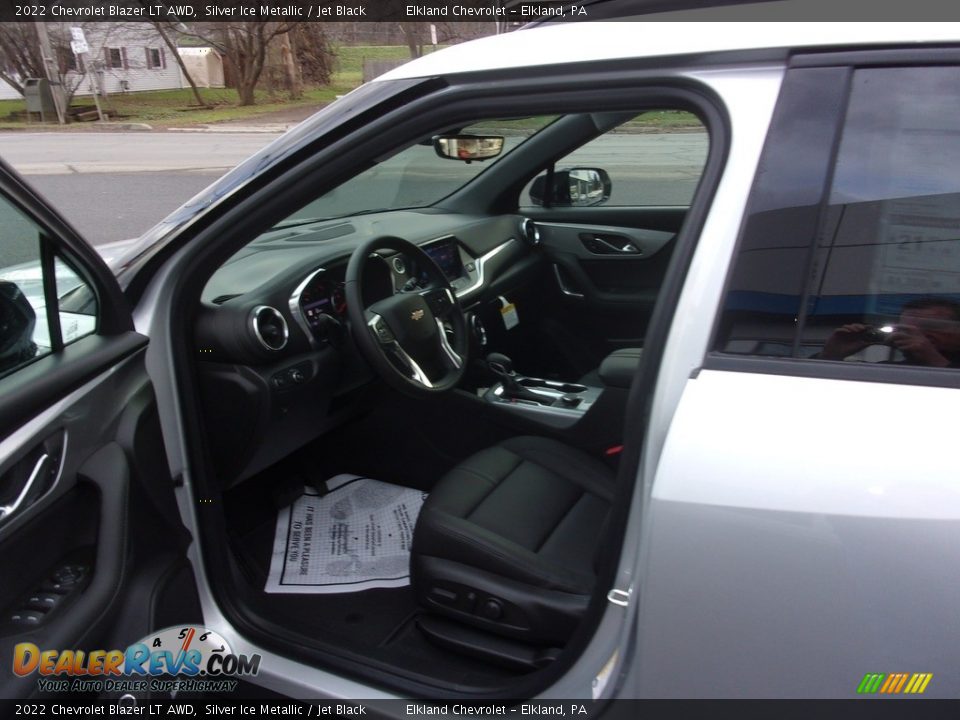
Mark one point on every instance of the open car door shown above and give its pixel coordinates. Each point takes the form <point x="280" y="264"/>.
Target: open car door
<point x="92" y="552"/>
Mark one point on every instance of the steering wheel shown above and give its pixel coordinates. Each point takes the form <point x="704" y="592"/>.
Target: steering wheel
<point x="404" y="337"/>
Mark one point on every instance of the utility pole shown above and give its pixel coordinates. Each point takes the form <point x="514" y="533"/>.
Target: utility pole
<point x="82" y="52"/>
<point x="50" y="67"/>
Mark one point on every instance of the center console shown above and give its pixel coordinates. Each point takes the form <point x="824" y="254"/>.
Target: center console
<point x="556" y="404"/>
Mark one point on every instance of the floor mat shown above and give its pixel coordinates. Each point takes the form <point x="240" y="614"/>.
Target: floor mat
<point x="355" y="537"/>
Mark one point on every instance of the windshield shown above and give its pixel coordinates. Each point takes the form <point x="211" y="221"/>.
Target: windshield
<point x="416" y="176"/>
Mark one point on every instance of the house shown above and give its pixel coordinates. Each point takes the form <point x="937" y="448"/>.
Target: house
<point x="124" y="57"/>
<point x="127" y="57"/>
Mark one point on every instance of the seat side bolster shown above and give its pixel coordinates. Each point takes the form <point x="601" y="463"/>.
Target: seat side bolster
<point x="444" y="535"/>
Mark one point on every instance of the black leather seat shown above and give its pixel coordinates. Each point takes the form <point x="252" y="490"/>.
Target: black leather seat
<point x="616" y="370"/>
<point x="508" y="539"/>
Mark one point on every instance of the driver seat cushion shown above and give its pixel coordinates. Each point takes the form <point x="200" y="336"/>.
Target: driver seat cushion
<point x="518" y="525"/>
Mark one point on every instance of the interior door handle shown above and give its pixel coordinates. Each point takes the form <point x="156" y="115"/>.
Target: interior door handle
<point x="627" y="247"/>
<point x="38" y="469"/>
<point x="609" y="244"/>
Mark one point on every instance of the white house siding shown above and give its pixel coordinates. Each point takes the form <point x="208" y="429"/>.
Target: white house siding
<point x="134" y="75"/>
<point x="130" y="69"/>
<point x="8" y="93"/>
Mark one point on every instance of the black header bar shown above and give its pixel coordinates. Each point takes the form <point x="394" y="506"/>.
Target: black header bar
<point x="509" y="12"/>
<point x="438" y="11"/>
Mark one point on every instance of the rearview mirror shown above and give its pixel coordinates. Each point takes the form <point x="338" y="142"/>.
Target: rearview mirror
<point x="468" y="147"/>
<point x="575" y="187"/>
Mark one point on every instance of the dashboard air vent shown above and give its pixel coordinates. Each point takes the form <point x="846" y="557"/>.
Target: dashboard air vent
<point x="530" y="232"/>
<point x="269" y="327"/>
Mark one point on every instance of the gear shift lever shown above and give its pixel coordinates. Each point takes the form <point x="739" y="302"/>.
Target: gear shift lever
<point x="502" y="366"/>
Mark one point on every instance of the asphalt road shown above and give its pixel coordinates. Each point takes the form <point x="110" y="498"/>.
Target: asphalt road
<point x="115" y="186"/>
<point x="88" y="152"/>
<point x="105" y="207"/>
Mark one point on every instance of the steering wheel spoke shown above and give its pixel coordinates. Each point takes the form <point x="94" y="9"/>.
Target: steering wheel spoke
<point x="388" y="341"/>
<point x="381" y="331"/>
<point x="449" y="356"/>
<point x="414" y="371"/>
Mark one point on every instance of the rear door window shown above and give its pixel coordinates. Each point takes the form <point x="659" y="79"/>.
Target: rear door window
<point x="875" y="269"/>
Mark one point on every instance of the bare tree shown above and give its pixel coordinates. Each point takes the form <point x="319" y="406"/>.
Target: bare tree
<point x="19" y="54"/>
<point x="315" y="58"/>
<point x="244" y="46"/>
<point x="411" y="33"/>
<point x="290" y="68"/>
<point x="165" y="36"/>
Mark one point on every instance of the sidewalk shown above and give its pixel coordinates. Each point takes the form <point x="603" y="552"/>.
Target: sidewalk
<point x="273" y="122"/>
<point x="276" y="122"/>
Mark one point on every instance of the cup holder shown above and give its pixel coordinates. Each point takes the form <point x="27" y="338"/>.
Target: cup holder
<point x="551" y="385"/>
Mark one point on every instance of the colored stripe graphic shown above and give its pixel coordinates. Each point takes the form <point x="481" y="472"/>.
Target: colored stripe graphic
<point x="891" y="683"/>
<point x="894" y="683"/>
<point x="870" y="683"/>
<point x="918" y="683"/>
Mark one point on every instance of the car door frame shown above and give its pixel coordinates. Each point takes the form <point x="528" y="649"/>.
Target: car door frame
<point x="89" y="404"/>
<point x="177" y="288"/>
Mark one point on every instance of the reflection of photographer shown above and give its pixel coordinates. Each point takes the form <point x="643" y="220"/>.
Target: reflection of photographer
<point x="927" y="333"/>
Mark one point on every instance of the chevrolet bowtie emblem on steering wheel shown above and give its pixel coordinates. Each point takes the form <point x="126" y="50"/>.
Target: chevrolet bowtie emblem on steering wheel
<point x="416" y="314"/>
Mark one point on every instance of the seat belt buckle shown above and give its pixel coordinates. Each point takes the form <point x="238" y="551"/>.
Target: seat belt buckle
<point x="613" y="451"/>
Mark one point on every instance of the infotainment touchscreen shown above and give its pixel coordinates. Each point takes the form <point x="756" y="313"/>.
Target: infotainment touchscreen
<point x="446" y="254"/>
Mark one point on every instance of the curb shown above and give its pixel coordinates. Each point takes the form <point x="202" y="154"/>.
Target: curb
<point x="276" y="129"/>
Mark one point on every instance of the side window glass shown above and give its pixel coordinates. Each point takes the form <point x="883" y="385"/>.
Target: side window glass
<point x="869" y="271"/>
<point x="77" y="305"/>
<point x="652" y="159"/>
<point x="30" y="328"/>
<point x="885" y="283"/>
<point x="23" y="326"/>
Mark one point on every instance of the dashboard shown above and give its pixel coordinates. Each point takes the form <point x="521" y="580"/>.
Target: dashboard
<point x="277" y="364"/>
<point x="322" y="295"/>
<point x="319" y="304"/>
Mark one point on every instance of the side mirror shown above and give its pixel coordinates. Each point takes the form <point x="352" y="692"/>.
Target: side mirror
<point x="468" y="147"/>
<point x="575" y="187"/>
<point x="17" y="320"/>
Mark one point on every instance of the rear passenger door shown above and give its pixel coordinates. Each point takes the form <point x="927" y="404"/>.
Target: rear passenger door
<point x="806" y="505"/>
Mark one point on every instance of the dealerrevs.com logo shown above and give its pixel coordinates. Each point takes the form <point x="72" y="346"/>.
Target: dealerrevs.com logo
<point x="199" y="659"/>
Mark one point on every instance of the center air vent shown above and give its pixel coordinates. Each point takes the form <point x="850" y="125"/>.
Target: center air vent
<point x="269" y="327"/>
<point x="530" y="232"/>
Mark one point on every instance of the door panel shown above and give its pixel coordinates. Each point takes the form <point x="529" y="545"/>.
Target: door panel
<point x="605" y="266"/>
<point x="602" y="274"/>
<point x="71" y="551"/>
<point x="607" y="255"/>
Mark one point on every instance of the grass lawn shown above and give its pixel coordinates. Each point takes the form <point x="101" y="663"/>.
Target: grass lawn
<point x="177" y="108"/>
<point x="350" y="59"/>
